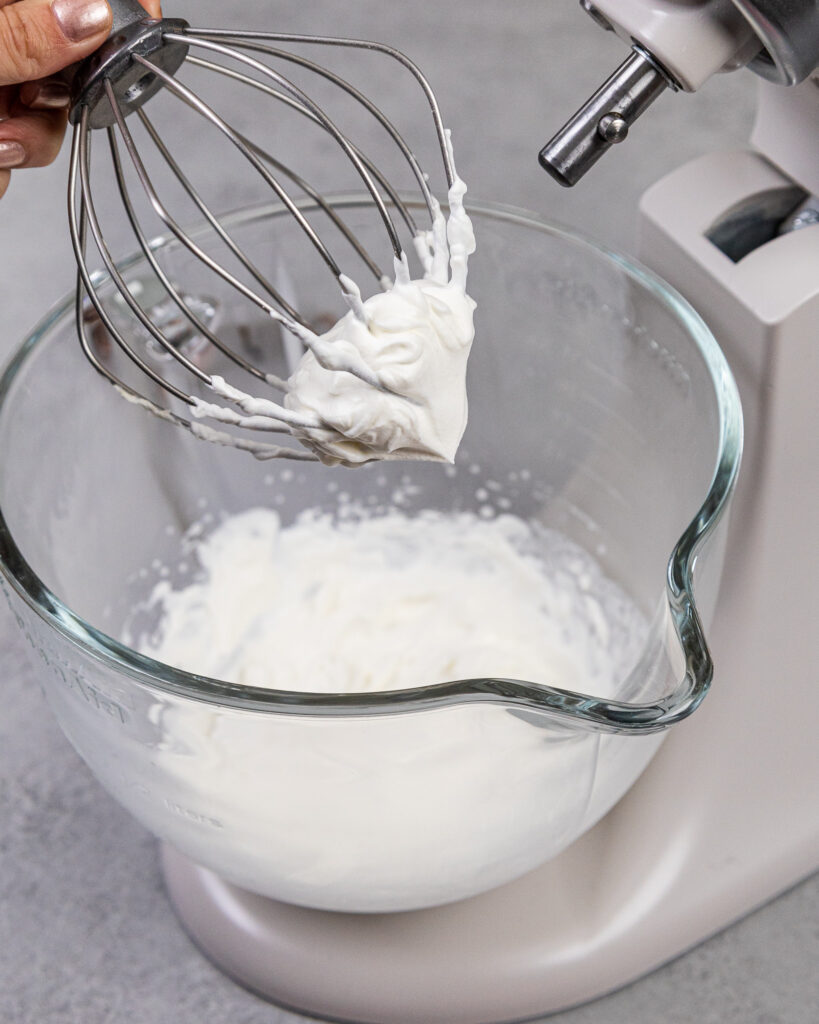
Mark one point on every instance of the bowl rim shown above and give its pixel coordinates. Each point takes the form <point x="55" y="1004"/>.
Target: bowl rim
<point x="582" y="710"/>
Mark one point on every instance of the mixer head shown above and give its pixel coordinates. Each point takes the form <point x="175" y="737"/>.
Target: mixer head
<point x="142" y="58"/>
<point x="678" y="45"/>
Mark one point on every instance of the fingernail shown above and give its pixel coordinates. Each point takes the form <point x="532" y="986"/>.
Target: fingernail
<point x="12" y="154"/>
<point x="45" y="95"/>
<point x="80" y="19"/>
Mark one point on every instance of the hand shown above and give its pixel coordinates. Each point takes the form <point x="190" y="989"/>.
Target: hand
<point x="37" y="39"/>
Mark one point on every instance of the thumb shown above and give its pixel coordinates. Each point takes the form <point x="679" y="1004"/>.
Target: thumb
<point x="41" y="37"/>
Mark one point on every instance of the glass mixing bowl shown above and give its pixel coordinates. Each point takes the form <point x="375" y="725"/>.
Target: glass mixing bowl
<point x="600" y="405"/>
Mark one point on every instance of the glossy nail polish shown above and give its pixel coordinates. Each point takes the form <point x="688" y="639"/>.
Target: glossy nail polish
<point x="47" y="95"/>
<point x="80" y="19"/>
<point x="12" y="154"/>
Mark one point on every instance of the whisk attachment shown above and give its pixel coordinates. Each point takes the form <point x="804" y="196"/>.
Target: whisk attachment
<point x="144" y="57"/>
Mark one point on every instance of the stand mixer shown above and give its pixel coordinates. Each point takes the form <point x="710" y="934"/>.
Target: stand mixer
<point x="738" y="235"/>
<point x="532" y="952"/>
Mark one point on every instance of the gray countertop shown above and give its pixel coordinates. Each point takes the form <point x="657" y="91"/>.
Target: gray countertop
<point x="86" y="933"/>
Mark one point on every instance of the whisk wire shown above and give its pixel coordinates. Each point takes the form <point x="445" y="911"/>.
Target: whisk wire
<point x="164" y="215"/>
<point x="357" y="95"/>
<point x="212" y="219"/>
<point x="181" y="92"/>
<point x="277" y="94"/>
<point x="120" y="282"/>
<point x="78" y="226"/>
<point x="239" y="35"/>
<point x="326" y="122"/>
<point x="168" y="285"/>
<point x="319" y="199"/>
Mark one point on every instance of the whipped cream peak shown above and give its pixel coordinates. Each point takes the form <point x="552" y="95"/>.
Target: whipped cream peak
<point x="408" y="399"/>
<point x="352" y="296"/>
<point x="388" y="380"/>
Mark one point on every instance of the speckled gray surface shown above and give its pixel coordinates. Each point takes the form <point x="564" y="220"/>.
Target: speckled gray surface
<point x="86" y="934"/>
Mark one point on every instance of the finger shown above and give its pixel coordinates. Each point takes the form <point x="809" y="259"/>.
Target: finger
<point x="32" y="139"/>
<point x="5" y="177"/>
<point x="40" y="37"/>
<point x="55" y="93"/>
<point x="46" y="94"/>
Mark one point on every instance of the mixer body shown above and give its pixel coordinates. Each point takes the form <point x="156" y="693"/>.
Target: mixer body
<point x="763" y="304"/>
<point x="679" y="46"/>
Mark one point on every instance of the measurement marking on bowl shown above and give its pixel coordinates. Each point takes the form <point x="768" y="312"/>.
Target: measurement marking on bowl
<point x="67" y="675"/>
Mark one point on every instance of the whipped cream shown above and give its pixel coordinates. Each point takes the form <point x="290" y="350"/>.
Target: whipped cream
<point x="388" y="380"/>
<point x="414" y="340"/>
<point x="389" y="812"/>
<point x="386" y="603"/>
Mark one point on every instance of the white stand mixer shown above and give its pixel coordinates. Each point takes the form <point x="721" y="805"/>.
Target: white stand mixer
<point x="726" y="815"/>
